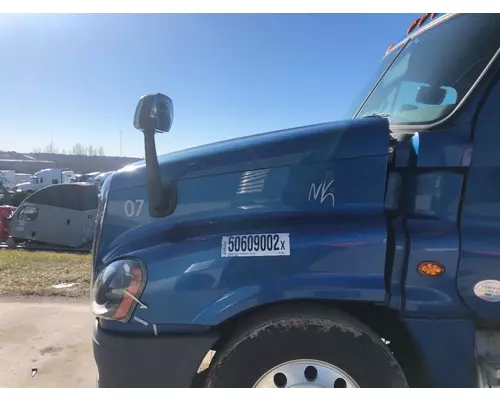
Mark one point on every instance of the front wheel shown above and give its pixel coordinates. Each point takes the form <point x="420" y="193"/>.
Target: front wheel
<point x="305" y="347"/>
<point x="11" y="243"/>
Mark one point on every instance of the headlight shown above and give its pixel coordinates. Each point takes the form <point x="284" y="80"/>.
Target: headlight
<point x="117" y="289"/>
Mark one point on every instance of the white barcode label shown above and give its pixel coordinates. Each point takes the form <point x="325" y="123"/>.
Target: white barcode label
<point x="256" y="245"/>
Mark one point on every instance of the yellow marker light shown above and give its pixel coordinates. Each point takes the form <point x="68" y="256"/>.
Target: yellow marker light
<point x="430" y="268"/>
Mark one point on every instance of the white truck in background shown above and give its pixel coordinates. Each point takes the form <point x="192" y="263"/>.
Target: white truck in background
<point x="67" y="176"/>
<point x="98" y="180"/>
<point x="21" y="177"/>
<point x="10" y="178"/>
<point x="46" y="177"/>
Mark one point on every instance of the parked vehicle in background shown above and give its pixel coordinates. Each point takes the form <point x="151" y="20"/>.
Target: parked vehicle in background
<point x="4" y="193"/>
<point x="10" y="178"/>
<point x="91" y="177"/>
<point x="21" y="177"/>
<point x="25" y="187"/>
<point x="47" y="177"/>
<point x="84" y="177"/>
<point x="99" y="179"/>
<point x="5" y="214"/>
<point x="58" y="215"/>
<point x="67" y="176"/>
<point x="11" y="197"/>
<point x="42" y="178"/>
<point x="76" y="178"/>
<point x="357" y="253"/>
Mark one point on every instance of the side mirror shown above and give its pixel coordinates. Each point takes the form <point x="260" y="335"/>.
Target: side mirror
<point x="154" y="113"/>
<point x="430" y="95"/>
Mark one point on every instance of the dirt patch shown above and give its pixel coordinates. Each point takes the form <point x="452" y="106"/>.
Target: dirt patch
<point x="51" y="350"/>
<point x="31" y="273"/>
<point x="46" y="342"/>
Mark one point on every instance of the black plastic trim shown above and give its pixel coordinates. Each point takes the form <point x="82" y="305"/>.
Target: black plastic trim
<point x="139" y="361"/>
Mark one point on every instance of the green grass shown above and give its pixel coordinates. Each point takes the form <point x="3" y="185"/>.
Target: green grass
<point x="31" y="273"/>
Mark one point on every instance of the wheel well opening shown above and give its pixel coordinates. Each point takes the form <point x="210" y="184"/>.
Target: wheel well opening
<point x="384" y="322"/>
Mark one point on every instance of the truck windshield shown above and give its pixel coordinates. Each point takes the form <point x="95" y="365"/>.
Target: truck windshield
<point x="426" y="78"/>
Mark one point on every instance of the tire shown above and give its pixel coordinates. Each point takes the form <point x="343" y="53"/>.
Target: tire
<point x="11" y="243"/>
<point x="305" y="333"/>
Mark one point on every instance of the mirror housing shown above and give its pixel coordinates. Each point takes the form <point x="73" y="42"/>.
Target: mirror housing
<point x="154" y="113"/>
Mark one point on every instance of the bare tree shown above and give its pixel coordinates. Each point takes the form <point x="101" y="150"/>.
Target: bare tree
<point x="50" y="148"/>
<point x="78" y="150"/>
<point x="94" y="151"/>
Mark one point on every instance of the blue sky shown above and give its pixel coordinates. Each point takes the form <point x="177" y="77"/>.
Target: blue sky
<point x="77" y="78"/>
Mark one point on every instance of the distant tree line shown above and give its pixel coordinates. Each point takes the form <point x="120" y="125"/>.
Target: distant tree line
<point x="78" y="150"/>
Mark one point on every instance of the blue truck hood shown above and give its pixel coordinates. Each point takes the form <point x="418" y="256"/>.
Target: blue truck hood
<point x="309" y="144"/>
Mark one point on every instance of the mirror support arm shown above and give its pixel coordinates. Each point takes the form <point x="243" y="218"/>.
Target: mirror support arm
<point x="155" y="185"/>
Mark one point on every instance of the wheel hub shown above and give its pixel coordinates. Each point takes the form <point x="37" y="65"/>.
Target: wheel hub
<point x="306" y="373"/>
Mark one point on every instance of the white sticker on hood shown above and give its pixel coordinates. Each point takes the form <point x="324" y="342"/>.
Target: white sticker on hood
<point x="256" y="245"/>
<point x="488" y="290"/>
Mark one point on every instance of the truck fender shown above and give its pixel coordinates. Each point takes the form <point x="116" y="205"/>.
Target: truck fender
<point x="315" y="287"/>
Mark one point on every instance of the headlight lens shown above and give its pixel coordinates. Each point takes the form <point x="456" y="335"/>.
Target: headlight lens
<point x="116" y="288"/>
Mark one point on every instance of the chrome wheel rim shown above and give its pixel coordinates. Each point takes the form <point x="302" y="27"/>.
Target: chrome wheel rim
<point x="306" y="373"/>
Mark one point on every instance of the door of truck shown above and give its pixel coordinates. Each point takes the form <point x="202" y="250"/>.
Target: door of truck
<point x="478" y="278"/>
<point x="432" y="182"/>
